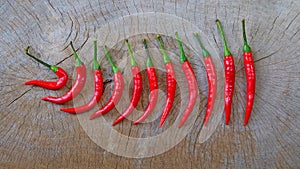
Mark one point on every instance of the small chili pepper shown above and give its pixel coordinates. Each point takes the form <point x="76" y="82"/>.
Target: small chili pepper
<point x="171" y="82"/>
<point x="137" y="84"/>
<point x="229" y="75"/>
<point x="62" y="75"/>
<point x="152" y="78"/>
<point x="118" y="88"/>
<point x="211" y="78"/>
<point x="78" y="85"/>
<point x="98" y="88"/>
<point x="191" y="80"/>
<point x="250" y="75"/>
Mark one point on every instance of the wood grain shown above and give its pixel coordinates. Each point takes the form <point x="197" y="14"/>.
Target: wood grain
<point x="35" y="134"/>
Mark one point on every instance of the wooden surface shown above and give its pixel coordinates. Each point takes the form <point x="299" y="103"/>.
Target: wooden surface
<point x="35" y="134"/>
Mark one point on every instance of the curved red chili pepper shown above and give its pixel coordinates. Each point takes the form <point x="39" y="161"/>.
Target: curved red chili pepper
<point x="191" y="80"/>
<point x="98" y="88"/>
<point x="211" y="78"/>
<point x="250" y="76"/>
<point x="118" y="88"/>
<point x="61" y="74"/>
<point x="171" y="82"/>
<point x="229" y="75"/>
<point x="77" y="86"/>
<point x="137" y="90"/>
<point x="152" y="78"/>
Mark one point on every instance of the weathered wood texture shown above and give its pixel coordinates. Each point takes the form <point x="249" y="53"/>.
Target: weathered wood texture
<point x="35" y="134"/>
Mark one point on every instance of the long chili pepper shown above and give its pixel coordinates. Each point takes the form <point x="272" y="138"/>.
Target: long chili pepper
<point x="229" y="75"/>
<point x="118" y="88"/>
<point x="191" y="80"/>
<point x="78" y="85"/>
<point x="152" y="78"/>
<point x="171" y="82"/>
<point x="138" y="86"/>
<point x="250" y="75"/>
<point x="62" y="75"/>
<point x="211" y="78"/>
<point x="98" y="88"/>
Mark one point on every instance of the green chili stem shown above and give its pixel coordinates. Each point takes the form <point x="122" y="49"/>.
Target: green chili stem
<point x="226" y="50"/>
<point x="78" y="61"/>
<point x="96" y="65"/>
<point x="161" y="46"/>
<point x="132" y="60"/>
<point x="114" y="67"/>
<point x="149" y="62"/>
<point x="52" y="67"/>
<point x="205" y="53"/>
<point x="246" y="46"/>
<point x="182" y="56"/>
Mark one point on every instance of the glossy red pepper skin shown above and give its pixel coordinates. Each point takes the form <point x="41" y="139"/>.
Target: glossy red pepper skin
<point x="171" y="89"/>
<point x="152" y="78"/>
<point x="229" y="85"/>
<point x="250" y="76"/>
<point x="98" y="90"/>
<point x="136" y="94"/>
<point x="62" y="80"/>
<point x="74" y="91"/>
<point x="114" y="99"/>
<point x="212" y="86"/>
<point x="193" y="90"/>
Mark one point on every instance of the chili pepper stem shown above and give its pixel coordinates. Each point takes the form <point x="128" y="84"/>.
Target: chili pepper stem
<point x="182" y="56"/>
<point x="226" y="50"/>
<point x="132" y="60"/>
<point x="161" y="46"/>
<point x="114" y="67"/>
<point x="52" y="67"/>
<point x="149" y="62"/>
<point x="205" y="53"/>
<point x="96" y="65"/>
<point x="246" y="46"/>
<point x="78" y="61"/>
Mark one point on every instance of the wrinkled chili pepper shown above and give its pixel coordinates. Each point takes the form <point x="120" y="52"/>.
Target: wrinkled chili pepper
<point x="250" y="75"/>
<point x="229" y="75"/>
<point x="78" y="85"/>
<point x="153" y="83"/>
<point x="137" y="86"/>
<point x="61" y="74"/>
<point x="211" y="78"/>
<point x="118" y="88"/>
<point x="191" y="80"/>
<point x="171" y="82"/>
<point x="98" y="88"/>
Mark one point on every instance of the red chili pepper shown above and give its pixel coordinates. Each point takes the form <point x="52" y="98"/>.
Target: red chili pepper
<point x="229" y="75"/>
<point x="137" y="90"/>
<point x="98" y="88"/>
<point x="78" y="85"/>
<point x="171" y="82"/>
<point x="118" y="88"/>
<point x="250" y="75"/>
<point x="211" y="78"/>
<point x="151" y="73"/>
<point x="191" y="80"/>
<point x="62" y="75"/>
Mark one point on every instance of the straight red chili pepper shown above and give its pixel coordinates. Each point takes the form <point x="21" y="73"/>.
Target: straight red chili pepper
<point x="152" y="78"/>
<point x="171" y="82"/>
<point x="77" y="86"/>
<point x="118" y="88"/>
<point x="211" y="78"/>
<point x="250" y="75"/>
<point x="229" y="75"/>
<point x="98" y="88"/>
<point x="191" y="80"/>
<point x="137" y="84"/>
<point x="61" y="74"/>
